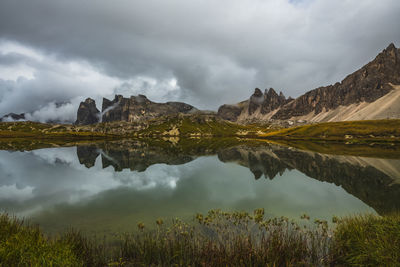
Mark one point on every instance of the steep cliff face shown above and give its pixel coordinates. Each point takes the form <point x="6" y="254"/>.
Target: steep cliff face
<point x="373" y="81"/>
<point x="273" y="101"/>
<point x="134" y="109"/>
<point x="258" y="105"/>
<point x="231" y="112"/>
<point x="137" y="108"/>
<point x="87" y="113"/>
<point x="365" y="85"/>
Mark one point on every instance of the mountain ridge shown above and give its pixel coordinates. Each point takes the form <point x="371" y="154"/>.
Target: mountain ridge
<point x="371" y="92"/>
<point x="133" y="109"/>
<point x="366" y="85"/>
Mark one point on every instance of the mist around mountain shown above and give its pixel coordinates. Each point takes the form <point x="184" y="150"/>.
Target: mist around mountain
<point x="372" y="92"/>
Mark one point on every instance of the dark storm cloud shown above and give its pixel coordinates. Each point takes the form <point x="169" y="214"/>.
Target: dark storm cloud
<point x="217" y="51"/>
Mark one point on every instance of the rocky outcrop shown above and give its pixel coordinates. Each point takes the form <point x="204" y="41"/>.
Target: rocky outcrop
<point x="272" y="101"/>
<point x="87" y="113"/>
<point x="260" y="103"/>
<point x="365" y="85"/>
<point x="230" y="112"/>
<point x="266" y="102"/>
<point x="134" y="109"/>
<point x="255" y="101"/>
<point x="140" y="108"/>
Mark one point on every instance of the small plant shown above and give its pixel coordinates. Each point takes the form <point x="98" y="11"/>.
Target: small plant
<point x="367" y="240"/>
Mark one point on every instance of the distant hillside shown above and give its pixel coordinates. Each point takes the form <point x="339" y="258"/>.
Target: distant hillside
<point x="372" y="92"/>
<point x="348" y="131"/>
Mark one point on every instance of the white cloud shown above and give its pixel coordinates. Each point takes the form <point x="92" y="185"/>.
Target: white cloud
<point x="216" y="51"/>
<point x="48" y="89"/>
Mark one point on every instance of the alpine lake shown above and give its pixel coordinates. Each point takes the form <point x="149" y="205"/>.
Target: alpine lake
<point x="107" y="187"/>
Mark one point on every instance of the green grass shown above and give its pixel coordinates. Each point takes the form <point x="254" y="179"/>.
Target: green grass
<point x="380" y="150"/>
<point x="37" y="130"/>
<point x="24" y="245"/>
<point x="367" y="241"/>
<point x="214" y="239"/>
<point x="349" y="131"/>
<point x="200" y="126"/>
<point x="185" y="125"/>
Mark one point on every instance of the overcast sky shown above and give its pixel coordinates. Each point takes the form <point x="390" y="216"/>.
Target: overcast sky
<point x="202" y="52"/>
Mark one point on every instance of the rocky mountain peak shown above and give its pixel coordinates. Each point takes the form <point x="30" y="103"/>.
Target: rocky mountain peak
<point x="266" y="102"/>
<point x="257" y="92"/>
<point x="367" y="84"/>
<point x="272" y="101"/>
<point x="270" y="92"/>
<point x="141" y="99"/>
<point x="87" y="113"/>
<point x="132" y="109"/>
<point x="256" y="100"/>
<point x="391" y="47"/>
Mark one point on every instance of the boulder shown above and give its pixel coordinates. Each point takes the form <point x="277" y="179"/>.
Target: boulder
<point x="229" y="112"/>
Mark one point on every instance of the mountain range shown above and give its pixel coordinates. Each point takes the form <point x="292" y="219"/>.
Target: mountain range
<point x="372" y="92"/>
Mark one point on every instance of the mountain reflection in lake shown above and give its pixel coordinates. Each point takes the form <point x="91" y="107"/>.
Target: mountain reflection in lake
<point x="110" y="186"/>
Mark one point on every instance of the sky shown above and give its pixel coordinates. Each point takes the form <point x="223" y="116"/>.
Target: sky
<point x="54" y="54"/>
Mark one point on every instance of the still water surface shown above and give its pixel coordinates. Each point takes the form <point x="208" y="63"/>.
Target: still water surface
<point x="110" y="187"/>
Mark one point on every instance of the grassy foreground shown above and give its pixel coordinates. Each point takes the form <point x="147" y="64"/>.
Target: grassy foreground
<point x="348" y="131"/>
<point x="215" y="239"/>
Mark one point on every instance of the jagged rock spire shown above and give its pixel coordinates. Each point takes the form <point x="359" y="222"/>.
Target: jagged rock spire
<point x="87" y="112"/>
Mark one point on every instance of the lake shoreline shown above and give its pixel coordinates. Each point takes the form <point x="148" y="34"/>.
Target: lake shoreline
<point x="378" y="131"/>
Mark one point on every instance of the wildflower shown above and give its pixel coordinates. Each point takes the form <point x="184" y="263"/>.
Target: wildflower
<point x="159" y="222"/>
<point x="140" y="226"/>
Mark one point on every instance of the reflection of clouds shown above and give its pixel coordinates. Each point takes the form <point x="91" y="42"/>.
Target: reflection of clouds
<point x="156" y="175"/>
<point x="53" y="155"/>
<point x="13" y="193"/>
<point x="44" y="180"/>
<point x="50" y="176"/>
